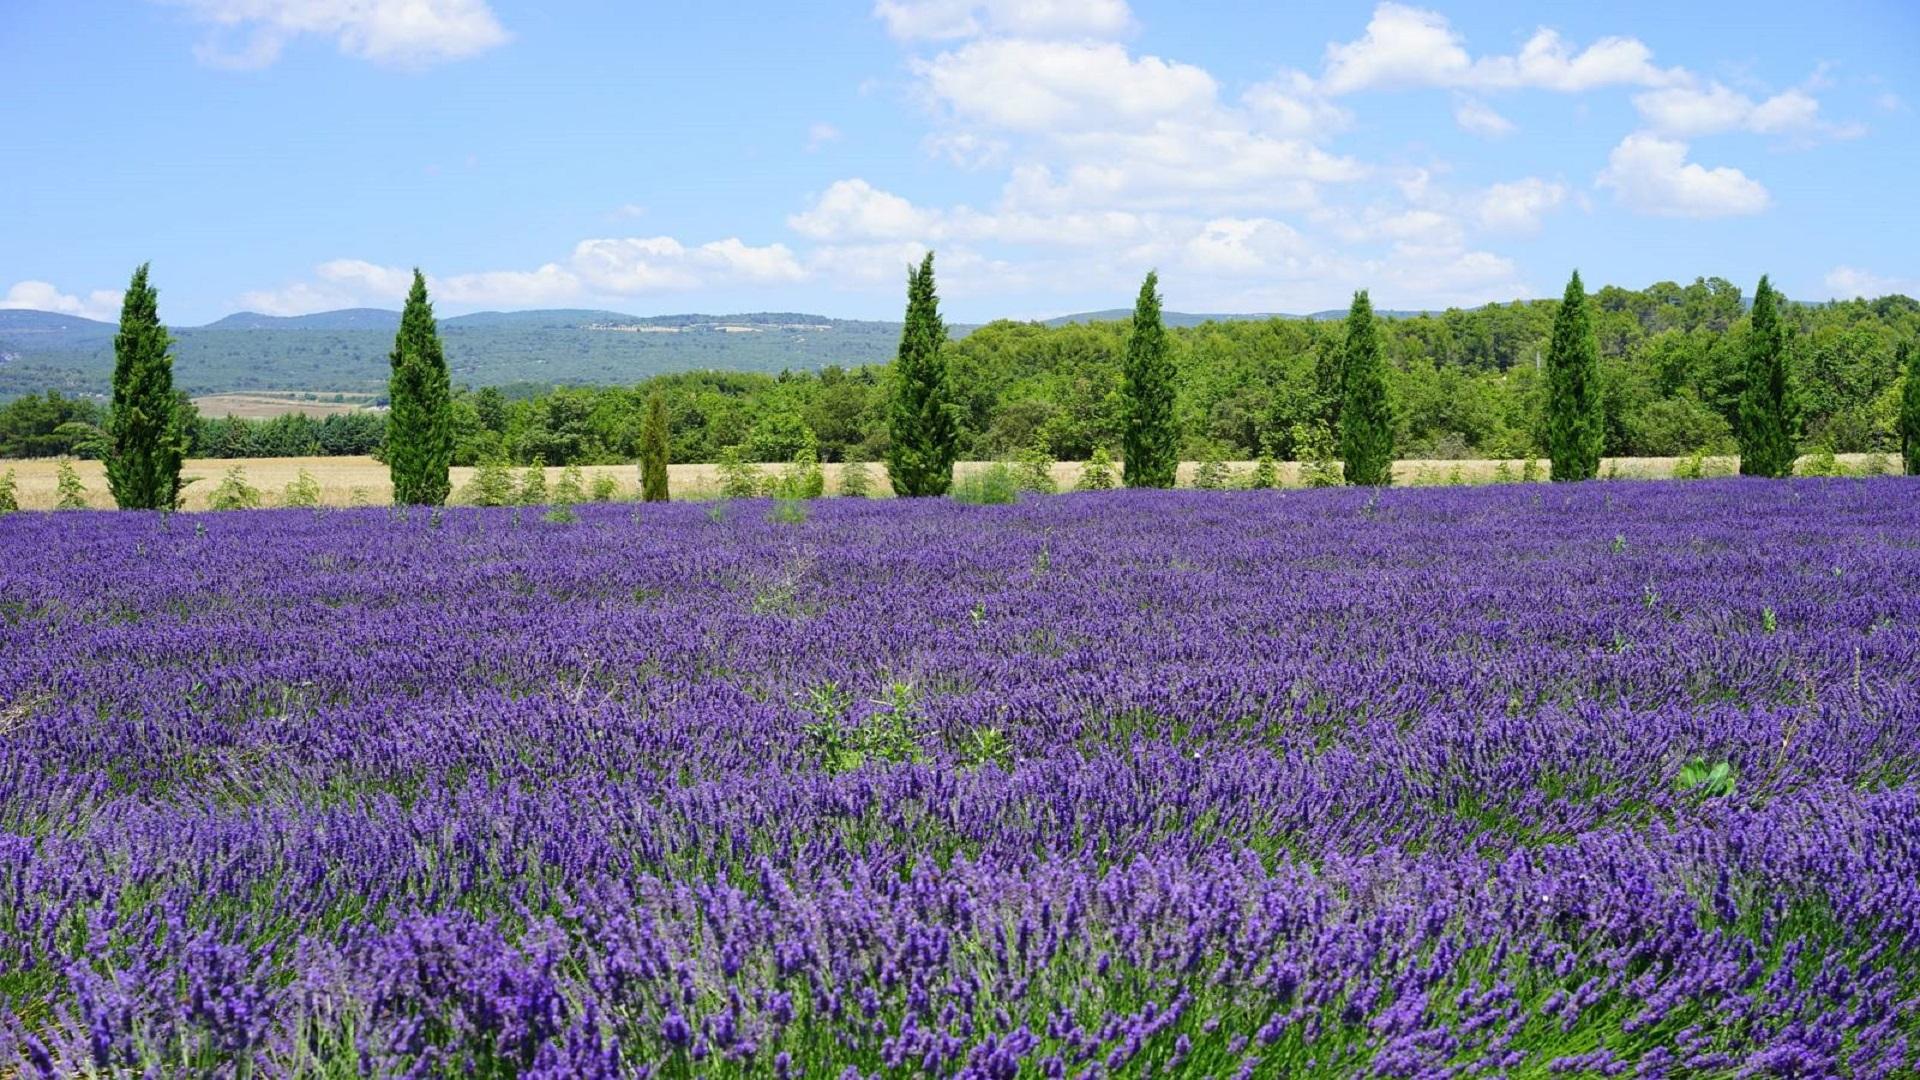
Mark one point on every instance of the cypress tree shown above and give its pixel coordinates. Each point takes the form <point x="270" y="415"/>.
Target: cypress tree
<point x="925" y="439"/>
<point x="419" y="417"/>
<point x="1575" y="423"/>
<point x="1150" y="444"/>
<point x="145" y="434"/>
<point x="1766" y="420"/>
<point x="1366" y="420"/>
<point x="654" y="431"/>
<point x="1909" y="358"/>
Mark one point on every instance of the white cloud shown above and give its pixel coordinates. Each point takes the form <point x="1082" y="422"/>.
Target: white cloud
<point x="1289" y="105"/>
<point x="300" y="298"/>
<point x="1518" y="206"/>
<point x="1476" y="117"/>
<point x="405" y="33"/>
<point x="1686" y="111"/>
<point x="1405" y="46"/>
<point x="1652" y="175"/>
<point x="102" y="304"/>
<point x="1848" y="283"/>
<point x="821" y="134"/>
<point x="937" y="20"/>
<point x="855" y="209"/>
<point x="1050" y="87"/>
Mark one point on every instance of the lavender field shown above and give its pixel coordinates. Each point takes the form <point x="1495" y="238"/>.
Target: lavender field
<point x="1595" y="780"/>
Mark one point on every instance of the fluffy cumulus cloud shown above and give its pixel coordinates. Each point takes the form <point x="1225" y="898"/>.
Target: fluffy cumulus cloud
<point x="604" y="269"/>
<point x="1652" y="175"/>
<point x="934" y="20"/>
<point x="1850" y="282"/>
<point x="103" y="304"/>
<point x="1406" y="46"/>
<point x="1518" y="206"/>
<point x="403" y="33"/>
<point x="1052" y="86"/>
<point x="1712" y="108"/>
<point x="1478" y="118"/>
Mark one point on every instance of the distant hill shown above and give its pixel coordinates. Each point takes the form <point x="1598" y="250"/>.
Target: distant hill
<point x="1185" y="318"/>
<point x="346" y="350"/>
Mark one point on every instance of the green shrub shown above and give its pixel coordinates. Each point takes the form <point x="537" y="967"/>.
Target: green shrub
<point x="1097" y="473"/>
<point x="1035" y="471"/>
<point x="994" y="485"/>
<point x="303" y="490"/>
<point x="856" y="482"/>
<point x="1265" y="474"/>
<point x="604" y="488"/>
<point x="533" y="484"/>
<point x="69" y="492"/>
<point x="1820" y="463"/>
<point x="803" y="478"/>
<point x="1701" y="780"/>
<point x="9" y="493"/>
<point x="739" y="479"/>
<point x="572" y="487"/>
<point x="1313" y="448"/>
<point x="1212" y="474"/>
<point x="234" y="493"/>
<point x="492" y="485"/>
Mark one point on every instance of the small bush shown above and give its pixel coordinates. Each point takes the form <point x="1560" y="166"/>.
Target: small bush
<point x="533" y="485"/>
<point x="9" y="493"/>
<point x="572" y="487"/>
<point x="1701" y="780"/>
<point x="994" y="485"/>
<point x="1212" y="474"/>
<point x="303" y="490"/>
<point x="1502" y="473"/>
<point x="1097" y="473"/>
<point x="234" y="493"/>
<point x="1313" y="448"/>
<point x="788" y="511"/>
<point x="1035" y="471"/>
<point x="1820" y="463"/>
<point x="739" y="479"/>
<point x="1265" y="474"/>
<point x="604" y="488"/>
<point x="1530" y="471"/>
<point x="856" y="482"/>
<point x="803" y="478"/>
<point x="69" y="492"/>
<point x="492" y="485"/>
<point x="889" y="734"/>
<point x="560" y="514"/>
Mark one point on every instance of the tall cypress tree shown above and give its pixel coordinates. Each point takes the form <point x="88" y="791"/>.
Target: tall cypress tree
<point x="145" y="433"/>
<point x="1766" y="411"/>
<point x="420" y="407"/>
<point x="1576" y="429"/>
<point x="925" y="438"/>
<point x="1909" y="358"/>
<point x="1151" y="441"/>
<point x="654" y="431"/>
<point x="1366" y="419"/>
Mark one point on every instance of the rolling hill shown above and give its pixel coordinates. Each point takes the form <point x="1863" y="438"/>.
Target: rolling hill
<point x="346" y="350"/>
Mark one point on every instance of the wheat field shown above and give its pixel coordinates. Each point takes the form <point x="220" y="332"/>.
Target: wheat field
<point x="350" y="481"/>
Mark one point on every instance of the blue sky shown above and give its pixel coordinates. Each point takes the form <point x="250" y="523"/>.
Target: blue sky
<point x="298" y="155"/>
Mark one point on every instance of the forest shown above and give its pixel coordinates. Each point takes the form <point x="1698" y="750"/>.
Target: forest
<point x="1463" y="383"/>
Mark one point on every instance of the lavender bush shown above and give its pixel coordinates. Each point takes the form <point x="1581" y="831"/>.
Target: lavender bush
<point x="1495" y="782"/>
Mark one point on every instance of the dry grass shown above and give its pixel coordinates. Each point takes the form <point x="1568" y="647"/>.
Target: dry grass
<point x="266" y="406"/>
<point x="349" y="481"/>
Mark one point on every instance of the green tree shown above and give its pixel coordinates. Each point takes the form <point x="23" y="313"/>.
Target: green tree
<point x="69" y="492"/>
<point x="655" y="431"/>
<point x="1766" y="420"/>
<point x="1366" y="419"/>
<point x="145" y="437"/>
<point x="1909" y="358"/>
<point x="1575" y="423"/>
<point x="420" y="413"/>
<point x="1150" y="443"/>
<point x="925" y="437"/>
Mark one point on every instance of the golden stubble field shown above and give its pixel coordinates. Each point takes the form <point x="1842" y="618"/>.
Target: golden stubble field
<point x="350" y="481"/>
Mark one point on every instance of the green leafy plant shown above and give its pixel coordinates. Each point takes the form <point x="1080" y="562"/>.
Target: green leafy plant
<point x="739" y="479"/>
<point x="994" y="485"/>
<point x="1313" y="448"/>
<point x="69" y="492"/>
<point x="492" y="485"/>
<point x="1769" y="621"/>
<point x="9" y="493"/>
<point x="533" y="485"/>
<point x="1098" y="472"/>
<point x="1035" y="470"/>
<point x="890" y="733"/>
<point x="986" y="746"/>
<point x="303" y="490"/>
<point x="571" y="488"/>
<point x="788" y="511"/>
<point x="233" y="492"/>
<point x="1701" y="780"/>
<point x="604" y="488"/>
<point x="856" y="480"/>
<point x="1212" y="473"/>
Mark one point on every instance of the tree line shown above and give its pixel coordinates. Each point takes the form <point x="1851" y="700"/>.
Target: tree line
<point x="1667" y="370"/>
